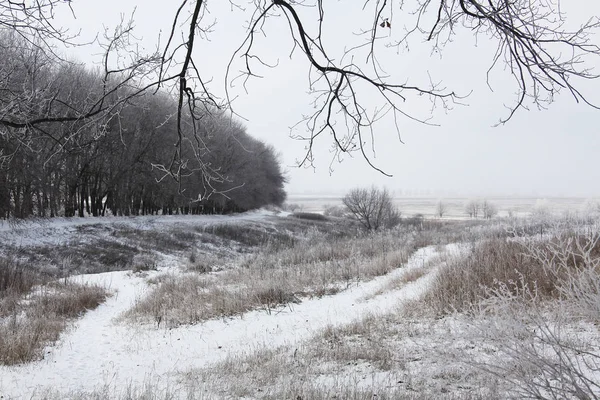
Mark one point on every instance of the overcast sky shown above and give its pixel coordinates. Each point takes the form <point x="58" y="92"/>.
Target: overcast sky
<point x="553" y="152"/>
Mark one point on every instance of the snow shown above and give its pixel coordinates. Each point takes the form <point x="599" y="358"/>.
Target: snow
<point x="101" y="350"/>
<point x="57" y="231"/>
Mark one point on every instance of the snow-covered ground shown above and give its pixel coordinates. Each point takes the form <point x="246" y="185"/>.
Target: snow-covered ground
<point x="60" y="230"/>
<point x="99" y="349"/>
<point x="104" y="353"/>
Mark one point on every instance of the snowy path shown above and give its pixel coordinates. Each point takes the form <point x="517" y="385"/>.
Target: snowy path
<point x="98" y="351"/>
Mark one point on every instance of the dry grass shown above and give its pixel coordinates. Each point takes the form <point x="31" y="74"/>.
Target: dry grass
<point x="203" y="263"/>
<point x="272" y="278"/>
<point x="144" y="262"/>
<point x="403" y="355"/>
<point x="14" y="278"/>
<point x="77" y="257"/>
<point x="23" y="339"/>
<point x="189" y="298"/>
<point x="30" y="321"/>
<point x="67" y="300"/>
<point x="349" y="387"/>
<point x="323" y="259"/>
<point x="464" y="280"/>
<point x="15" y="281"/>
<point x="249" y="234"/>
<point x="376" y="357"/>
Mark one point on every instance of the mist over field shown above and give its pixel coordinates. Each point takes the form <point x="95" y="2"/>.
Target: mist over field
<point x="409" y="206"/>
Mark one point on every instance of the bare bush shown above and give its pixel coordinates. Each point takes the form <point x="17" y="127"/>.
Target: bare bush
<point x="539" y="352"/>
<point x="292" y="207"/>
<point x="202" y="263"/>
<point x="143" y="262"/>
<point x="572" y="260"/>
<point x="533" y="302"/>
<point x="373" y="208"/>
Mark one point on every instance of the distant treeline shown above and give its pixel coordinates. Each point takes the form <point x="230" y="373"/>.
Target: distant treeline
<point x="108" y="163"/>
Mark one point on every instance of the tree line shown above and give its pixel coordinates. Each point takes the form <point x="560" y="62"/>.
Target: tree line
<point x="120" y="162"/>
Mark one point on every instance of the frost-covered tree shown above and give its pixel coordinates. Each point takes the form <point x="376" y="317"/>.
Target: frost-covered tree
<point x="348" y="77"/>
<point x="441" y="209"/>
<point x="472" y="208"/>
<point x="488" y="209"/>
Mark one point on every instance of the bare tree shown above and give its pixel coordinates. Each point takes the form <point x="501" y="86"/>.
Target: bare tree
<point x="373" y="208"/>
<point x="440" y="209"/>
<point x="488" y="209"/>
<point x="542" y="211"/>
<point x="472" y="208"/>
<point x="532" y="39"/>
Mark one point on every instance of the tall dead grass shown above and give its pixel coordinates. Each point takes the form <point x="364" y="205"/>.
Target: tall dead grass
<point x="14" y="278"/>
<point x="552" y="266"/>
<point x="463" y="281"/>
<point x="534" y="301"/>
<point x="33" y="313"/>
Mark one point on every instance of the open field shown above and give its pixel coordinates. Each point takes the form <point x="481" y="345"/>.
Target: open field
<point x="273" y="306"/>
<point x="409" y="206"/>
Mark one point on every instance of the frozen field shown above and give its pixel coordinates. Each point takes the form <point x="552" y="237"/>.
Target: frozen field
<point x="409" y="206"/>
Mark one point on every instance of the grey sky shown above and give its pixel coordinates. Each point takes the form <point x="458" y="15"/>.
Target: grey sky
<point x="539" y="153"/>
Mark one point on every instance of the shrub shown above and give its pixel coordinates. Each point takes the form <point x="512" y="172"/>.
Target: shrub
<point x="310" y="216"/>
<point x="372" y="208"/>
<point x="530" y="301"/>
<point x="539" y="349"/>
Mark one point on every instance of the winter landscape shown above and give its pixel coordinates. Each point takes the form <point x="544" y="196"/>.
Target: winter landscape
<point x="285" y="199"/>
<point x="284" y="305"/>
